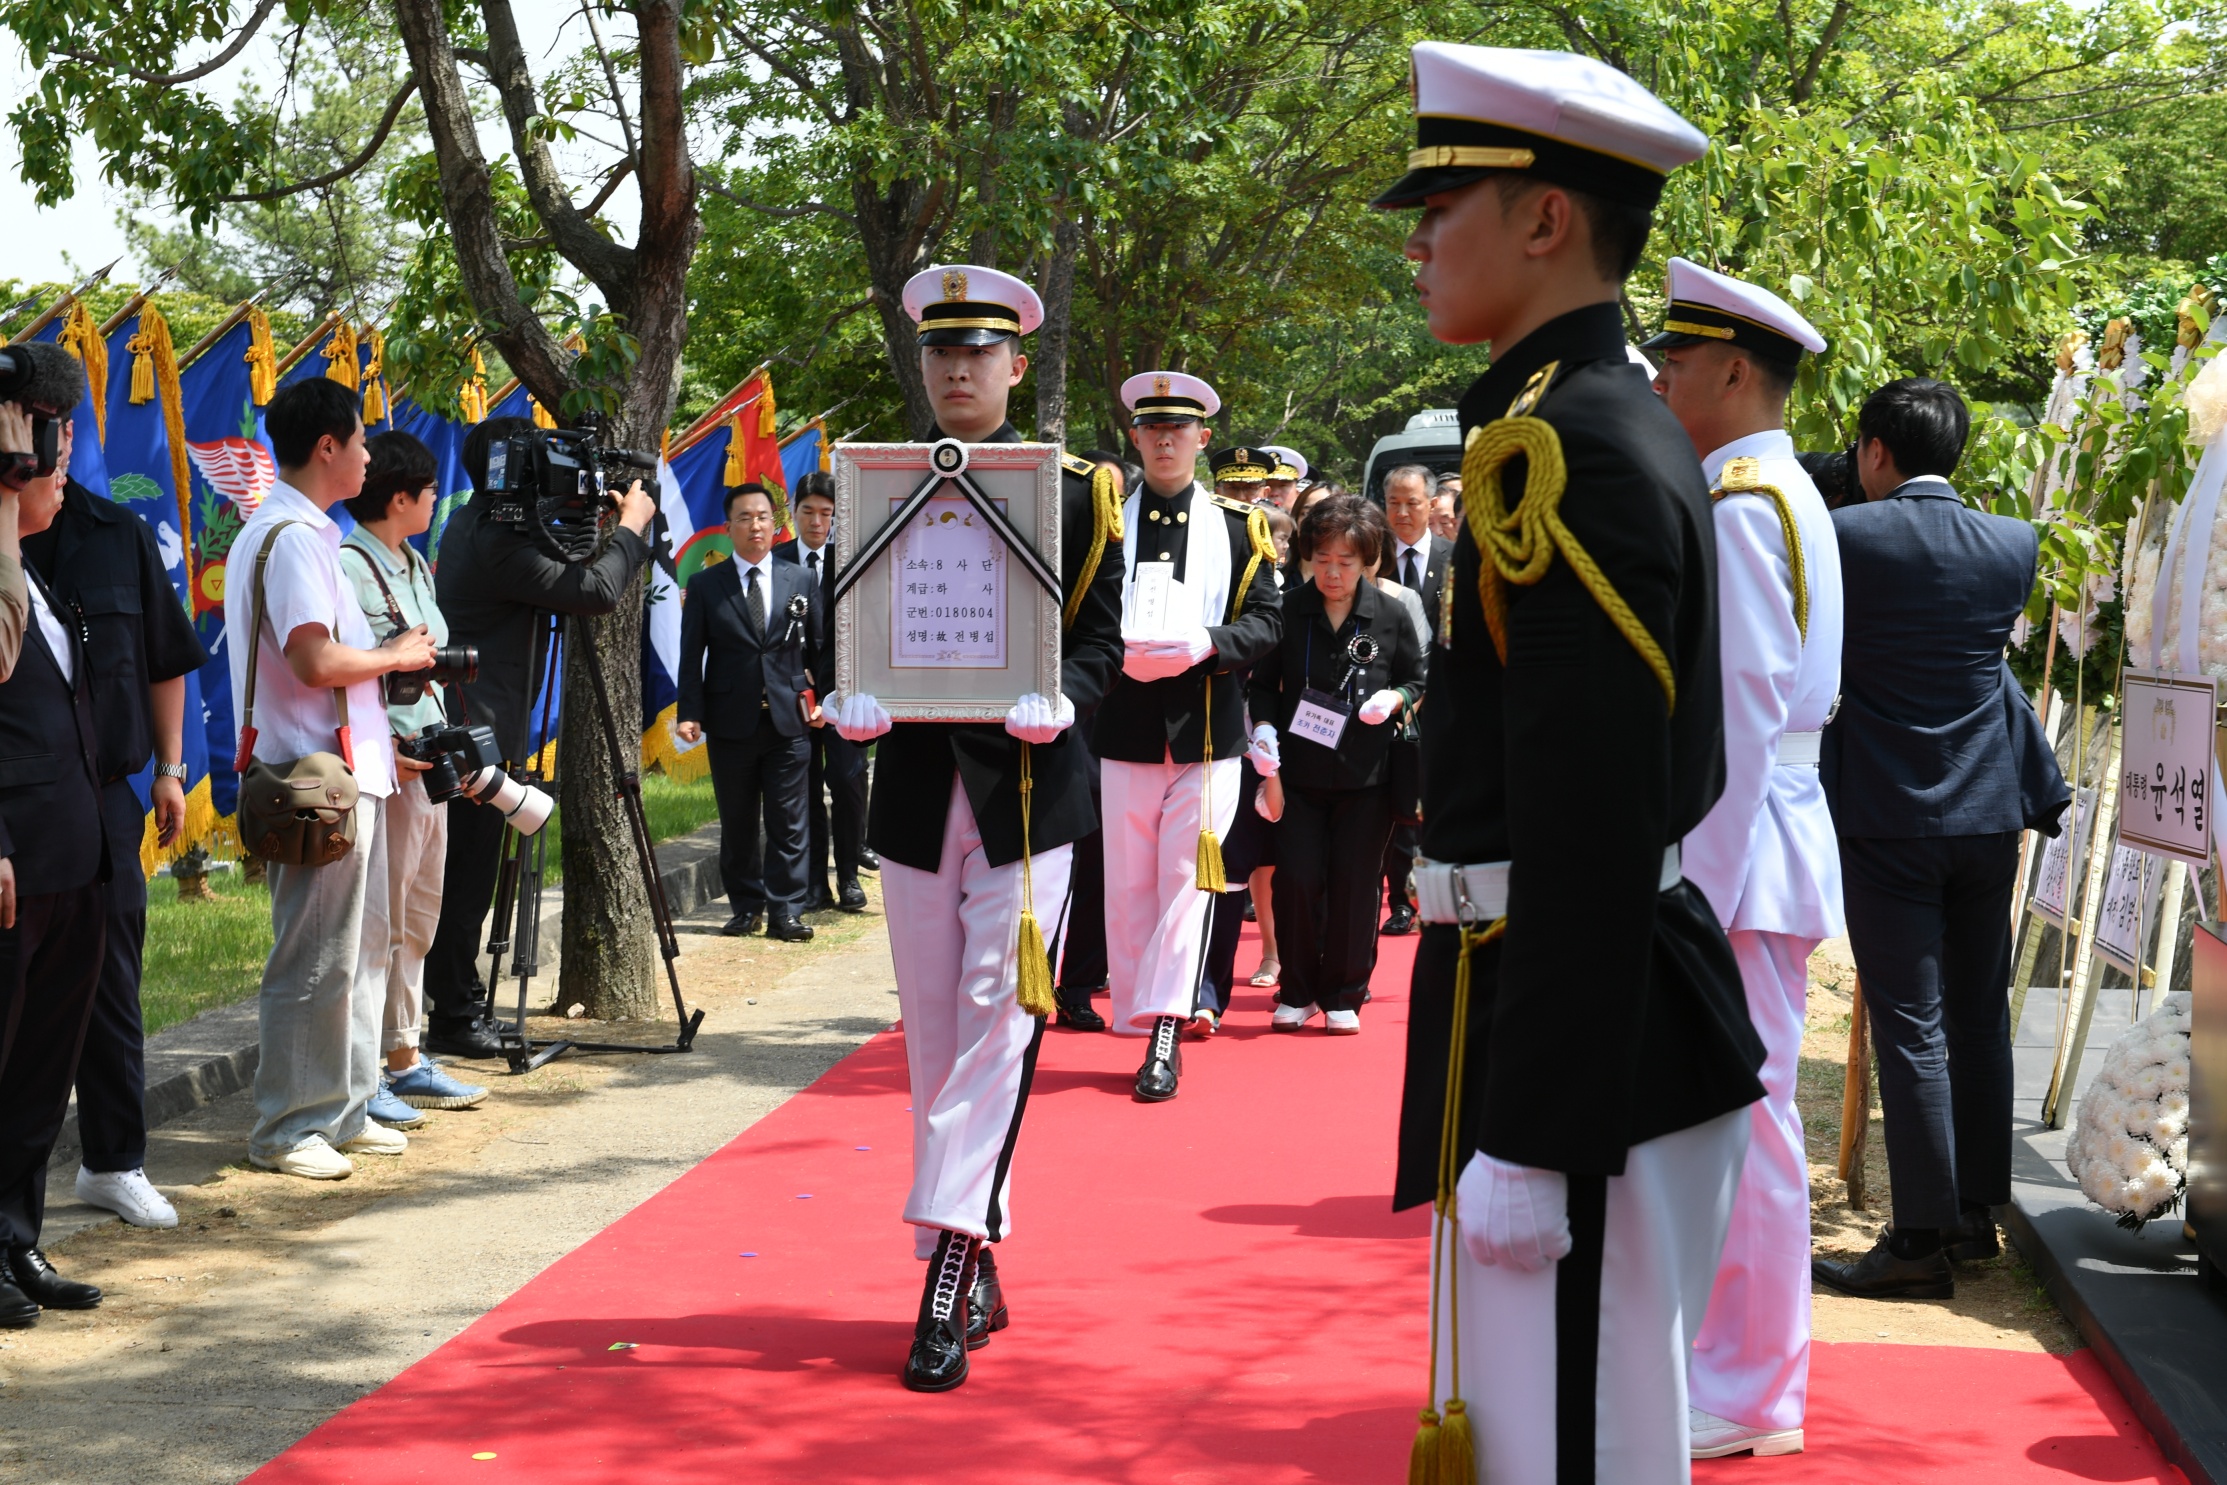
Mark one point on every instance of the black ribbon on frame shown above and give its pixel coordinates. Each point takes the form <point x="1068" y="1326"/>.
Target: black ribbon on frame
<point x="939" y="475"/>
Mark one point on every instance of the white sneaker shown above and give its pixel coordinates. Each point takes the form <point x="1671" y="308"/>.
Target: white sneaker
<point x="1343" y="1023"/>
<point x="1714" y="1437"/>
<point x="127" y="1193"/>
<point x="313" y="1160"/>
<point x="1292" y="1017"/>
<point x="377" y="1139"/>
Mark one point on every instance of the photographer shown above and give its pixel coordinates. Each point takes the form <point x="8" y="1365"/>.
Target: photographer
<point x="54" y="866"/>
<point x="324" y="985"/>
<point x="101" y="564"/>
<point x="15" y="601"/>
<point x="496" y="586"/>
<point x="394" y="588"/>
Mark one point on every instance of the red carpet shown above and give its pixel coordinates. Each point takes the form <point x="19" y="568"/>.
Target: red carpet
<point x="1211" y="1290"/>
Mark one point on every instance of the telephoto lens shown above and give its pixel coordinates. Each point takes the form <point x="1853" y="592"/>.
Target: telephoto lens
<point x="523" y="806"/>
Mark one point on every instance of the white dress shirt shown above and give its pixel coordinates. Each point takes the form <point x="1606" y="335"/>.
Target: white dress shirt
<point x="50" y="626"/>
<point x="1765" y="855"/>
<point x="303" y="584"/>
<point x="1422" y="551"/>
<point x="805" y="558"/>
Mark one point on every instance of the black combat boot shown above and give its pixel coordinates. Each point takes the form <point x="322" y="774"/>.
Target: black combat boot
<point x="938" y="1361"/>
<point x="1163" y="1062"/>
<point x="985" y="1301"/>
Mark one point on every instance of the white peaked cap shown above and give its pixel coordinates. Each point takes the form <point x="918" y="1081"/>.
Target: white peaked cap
<point x="952" y="299"/>
<point x="1290" y="458"/>
<point x="1707" y="305"/>
<point x="1169" y="394"/>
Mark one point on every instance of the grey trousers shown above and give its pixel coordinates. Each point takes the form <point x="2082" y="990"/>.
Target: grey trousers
<point x="324" y="992"/>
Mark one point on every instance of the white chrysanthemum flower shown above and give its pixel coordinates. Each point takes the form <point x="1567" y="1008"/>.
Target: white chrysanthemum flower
<point x="2147" y="1082"/>
<point x="2173" y="1104"/>
<point x="2129" y="1146"/>
<point x="2159" y="1183"/>
<point x="2206" y="401"/>
<point x="2177" y="1153"/>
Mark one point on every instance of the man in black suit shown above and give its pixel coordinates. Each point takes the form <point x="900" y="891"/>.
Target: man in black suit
<point x="837" y="766"/>
<point x="747" y="631"/>
<point x="1922" y="769"/>
<point x="54" y="869"/>
<point x="1415" y="558"/>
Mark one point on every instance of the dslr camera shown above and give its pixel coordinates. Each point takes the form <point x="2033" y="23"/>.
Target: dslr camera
<point x="451" y="663"/>
<point x="560" y="485"/>
<point x="465" y="761"/>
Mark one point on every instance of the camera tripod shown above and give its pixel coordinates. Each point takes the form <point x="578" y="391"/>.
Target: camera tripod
<point x="518" y="882"/>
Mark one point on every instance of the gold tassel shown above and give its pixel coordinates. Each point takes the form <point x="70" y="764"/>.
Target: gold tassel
<point x="374" y="379"/>
<point x="81" y="337"/>
<point x="154" y="367"/>
<point x="1457" y="1447"/>
<point x="141" y="347"/>
<point x="261" y="357"/>
<point x="471" y="398"/>
<point x="543" y="418"/>
<point x="1033" y="977"/>
<point x="1422" y="1459"/>
<point x="765" y="406"/>
<point x="1212" y="877"/>
<point x="734" y="474"/>
<point x="340" y="357"/>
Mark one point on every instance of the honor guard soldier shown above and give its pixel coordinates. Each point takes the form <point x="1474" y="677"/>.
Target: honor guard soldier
<point x="1199" y="604"/>
<point x="975" y="824"/>
<point x="1766" y="856"/>
<point x="1579" y="1058"/>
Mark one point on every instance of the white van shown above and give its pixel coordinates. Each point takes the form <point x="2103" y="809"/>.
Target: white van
<point x="1431" y="438"/>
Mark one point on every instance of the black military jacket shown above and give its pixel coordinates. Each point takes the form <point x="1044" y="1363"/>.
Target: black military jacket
<point x="1152" y="721"/>
<point x="914" y="762"/>
<point x="1610" y="1012"/>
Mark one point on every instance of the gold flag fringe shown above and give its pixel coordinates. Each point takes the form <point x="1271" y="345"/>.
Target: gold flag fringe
<point x="81" y="337"/>
<point x="154" y="366"/>
<point x="340" y="357"/>
<point x="261" y="357"/>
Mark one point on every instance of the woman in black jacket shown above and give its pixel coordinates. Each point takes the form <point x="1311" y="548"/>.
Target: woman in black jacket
<point x="1323" y="704"/>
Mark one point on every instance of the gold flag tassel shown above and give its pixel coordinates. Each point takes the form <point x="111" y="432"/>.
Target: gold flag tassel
<point x="81" y="337"/>
<point x="1034" y="975"/>
<point x="374" y="377"/>
<point x="261" y="357"/>
<point x="154" y="368"/>
<point x="340" y="357"/>
<point x="1211" y="875"/>
<point x="1445" y="1450"/>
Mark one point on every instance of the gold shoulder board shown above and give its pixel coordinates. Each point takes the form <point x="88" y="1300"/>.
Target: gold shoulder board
<point x="1244" y="508"/>
<point x="1744" y="476"/>
<point x="1075" y="464"/>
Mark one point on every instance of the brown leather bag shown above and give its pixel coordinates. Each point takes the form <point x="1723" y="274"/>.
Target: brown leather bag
<point x="300" y="813"/>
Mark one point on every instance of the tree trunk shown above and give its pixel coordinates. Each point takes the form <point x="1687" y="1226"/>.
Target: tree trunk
<point x="1053" y="341"/>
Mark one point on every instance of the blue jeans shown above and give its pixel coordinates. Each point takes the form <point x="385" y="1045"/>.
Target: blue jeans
<point x="324" y="989"/>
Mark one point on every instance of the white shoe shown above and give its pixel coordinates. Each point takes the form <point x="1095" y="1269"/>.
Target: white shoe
<point x="1292" y="1017"/>
<point x="313" y="1160"/>
<point x="127" y="1193"/>
<point x="377" y="1139"/>
<point x="1714" y="1437"/>
<point x="1343" y="1023"/>
<point x="1204" y="1023"/>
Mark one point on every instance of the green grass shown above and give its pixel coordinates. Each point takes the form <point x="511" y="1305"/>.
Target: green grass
<point x="204" y="954"/>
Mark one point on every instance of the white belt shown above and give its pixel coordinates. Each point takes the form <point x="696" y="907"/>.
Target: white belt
<point x="1800" y="748"/>
<point x="1479" y="894"/>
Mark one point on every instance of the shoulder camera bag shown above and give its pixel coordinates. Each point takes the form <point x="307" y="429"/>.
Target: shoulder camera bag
<point x="302" y="812"/>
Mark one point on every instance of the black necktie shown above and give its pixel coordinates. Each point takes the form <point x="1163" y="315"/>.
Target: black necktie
<point x="755" y="602"/>
<point x="812" y="561"/>
<point x="1407" y="578"/>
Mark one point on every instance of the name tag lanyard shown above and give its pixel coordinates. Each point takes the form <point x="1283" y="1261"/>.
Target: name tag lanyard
<point x="1321" y="716"/>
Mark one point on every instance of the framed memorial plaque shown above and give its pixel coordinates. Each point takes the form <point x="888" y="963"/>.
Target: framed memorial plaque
<point x="948" y="608"/>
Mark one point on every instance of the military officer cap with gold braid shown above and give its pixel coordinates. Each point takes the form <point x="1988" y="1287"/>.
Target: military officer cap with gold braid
<point x="1242" y="465"/>
<point x="1556" y="116"/>
<point x="1290" y="463"/>
<point x="961" y="304"/>
<point x="1707" y="307"/>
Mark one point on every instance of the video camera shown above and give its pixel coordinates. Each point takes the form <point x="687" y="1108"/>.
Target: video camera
<point x="48" y="381"/>
<point x="557" y="485"/>
<point x="466" y="761"/>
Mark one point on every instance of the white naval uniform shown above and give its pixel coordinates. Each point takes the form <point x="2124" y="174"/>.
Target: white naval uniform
<point x="970" y="1047"/>
<point x="1156" y="917"/>
<point x="1767" y="859"/>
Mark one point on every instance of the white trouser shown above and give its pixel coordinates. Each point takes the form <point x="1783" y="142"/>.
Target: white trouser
<point x="1665" y="1223"/>
<point x="1155" y="913"/>
<point x="970" y="1047"/>
<point x="1751" y="1364"/>
<point x="417" y="853"/>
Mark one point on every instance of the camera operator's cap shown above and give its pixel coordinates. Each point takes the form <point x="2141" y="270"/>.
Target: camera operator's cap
<point x="1708" y="306"/>
<point x="1480" y="110"/>
<point x="1242" y="466"/>
<point x="1169" y="397"/>
<point x="1290" y="463"/>
<point x="960" y="304"/>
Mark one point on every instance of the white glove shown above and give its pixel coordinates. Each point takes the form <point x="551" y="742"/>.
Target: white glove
<point x="1034" y="719"/>
<point x="1150" y="660"/>
<point x="1266" y="759"/>
<point x="1380" y="706"/>
<point x="1518" y="1215"/>
<point x="1194" y="647"/>
<point x="858" y="718"/>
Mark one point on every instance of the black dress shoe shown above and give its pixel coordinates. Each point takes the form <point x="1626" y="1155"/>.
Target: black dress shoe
<point x="18" y="1311"/>
<point x="938" y="1361"/>
<point x="1973" y="1238"/>
<point x="36" y="1279"/>
<point x="868" y="861"/>
<point x="1881" y="1275"/>
<point x="746" y="925"/>
<point x="475" y="1039"/>
<point x="819" y="900"/>
<point x="1401" y="921"/>
<point x="852" y="899"/>
<point x="789" y="928"/>
<point x="985" y="1302"/>
<point x="1075" y="1011"/>
<point x="1163" y="1062"/>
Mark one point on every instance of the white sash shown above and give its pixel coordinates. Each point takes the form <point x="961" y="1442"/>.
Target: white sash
<point x="1202" y="599"/>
